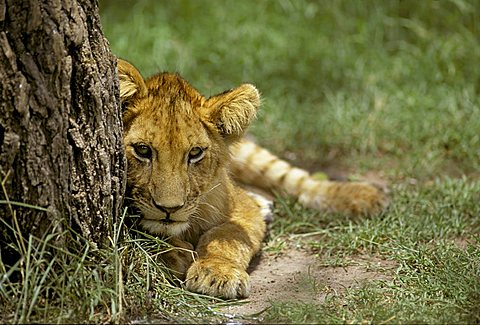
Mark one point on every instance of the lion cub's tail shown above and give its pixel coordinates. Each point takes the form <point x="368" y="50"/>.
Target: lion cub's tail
<point x="255" y="166"/>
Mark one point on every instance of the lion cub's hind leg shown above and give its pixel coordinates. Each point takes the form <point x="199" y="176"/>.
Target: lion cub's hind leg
<point x="178" y="258"/>
<point x="356" y="198"/>
<point x="265" y="204"/>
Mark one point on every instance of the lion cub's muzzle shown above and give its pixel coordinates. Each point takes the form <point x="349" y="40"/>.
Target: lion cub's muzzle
<point x="170" y="221"/>
<point x="166" y="209"/>
<point x="168" y="214"/>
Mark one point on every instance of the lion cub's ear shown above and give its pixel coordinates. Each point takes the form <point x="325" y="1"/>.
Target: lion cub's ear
<point x="233" y="111"/>
<point x="131" y="81"/>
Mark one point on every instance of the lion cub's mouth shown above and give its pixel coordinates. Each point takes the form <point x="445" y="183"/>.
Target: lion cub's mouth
<point x="168" y="221"/>
<point x="164" y="226"/>
<point x="171" y="224"/>
<point x="165" y="221"/>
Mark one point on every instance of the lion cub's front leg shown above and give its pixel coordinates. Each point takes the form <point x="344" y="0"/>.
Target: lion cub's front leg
<point x="225" y="252"/>
<point x="179" y="258"/>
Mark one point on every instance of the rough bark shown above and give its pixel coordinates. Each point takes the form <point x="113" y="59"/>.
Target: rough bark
<point x="60" y="125"/>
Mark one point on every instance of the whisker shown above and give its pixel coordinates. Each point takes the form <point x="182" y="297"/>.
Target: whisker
<point x="217" y="214"/>
<point x="198" y="217"/>
<point x="214" y="208"/>
<point x="210" y="190"/>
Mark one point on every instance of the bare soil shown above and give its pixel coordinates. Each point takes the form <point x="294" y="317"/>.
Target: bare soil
<point x="297" y="275"/>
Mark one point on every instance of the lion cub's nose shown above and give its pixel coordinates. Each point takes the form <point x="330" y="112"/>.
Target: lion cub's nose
<point x="167" y="209"/>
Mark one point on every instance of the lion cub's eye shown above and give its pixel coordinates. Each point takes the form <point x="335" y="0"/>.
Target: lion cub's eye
<point x="143" y="151"/>
<point x="195" y="155"/>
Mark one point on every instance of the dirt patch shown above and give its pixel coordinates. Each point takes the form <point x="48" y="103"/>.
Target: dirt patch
<point x="298" y="276"/>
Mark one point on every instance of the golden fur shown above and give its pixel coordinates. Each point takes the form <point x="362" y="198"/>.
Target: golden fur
<point x="178" y="150"/>
<point x="176" y="143"/>
<point x="257" y="167"/>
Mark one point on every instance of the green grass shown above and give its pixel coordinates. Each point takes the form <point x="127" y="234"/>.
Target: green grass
<point x="388" y="87"/>
<point x="430" y="232"/>
<point x="123" y="282"/>
<point x="363" y="85"/>
<point x="424" y="289"/>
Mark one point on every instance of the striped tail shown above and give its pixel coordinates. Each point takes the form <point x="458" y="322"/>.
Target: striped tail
<point x="255" y="166"/>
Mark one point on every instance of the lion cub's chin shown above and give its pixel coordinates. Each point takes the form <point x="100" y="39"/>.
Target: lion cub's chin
<point x="160" y="228"/>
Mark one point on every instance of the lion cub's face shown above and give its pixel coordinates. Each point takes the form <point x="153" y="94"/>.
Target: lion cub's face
<point x="173" y="155"/>
<point x="176" y="143"/>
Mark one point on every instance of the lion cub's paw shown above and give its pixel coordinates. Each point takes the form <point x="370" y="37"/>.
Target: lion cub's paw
<point x="355" y="198"/>
<point x="218" y="278"/>
<point x="358" y="198"/>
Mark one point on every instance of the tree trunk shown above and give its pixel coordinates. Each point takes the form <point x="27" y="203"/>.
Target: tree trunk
<point x="61" y="145"/>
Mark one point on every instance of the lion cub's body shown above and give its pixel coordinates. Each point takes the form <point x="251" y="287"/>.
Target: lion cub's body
<point x="177" y="144"/>
<point x="177" y="150"/>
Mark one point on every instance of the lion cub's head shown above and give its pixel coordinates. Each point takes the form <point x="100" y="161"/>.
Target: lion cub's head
<point x="176" y="143"/>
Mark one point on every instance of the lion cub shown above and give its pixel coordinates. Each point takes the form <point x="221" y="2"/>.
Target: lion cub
<point x="177" y="147"/>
